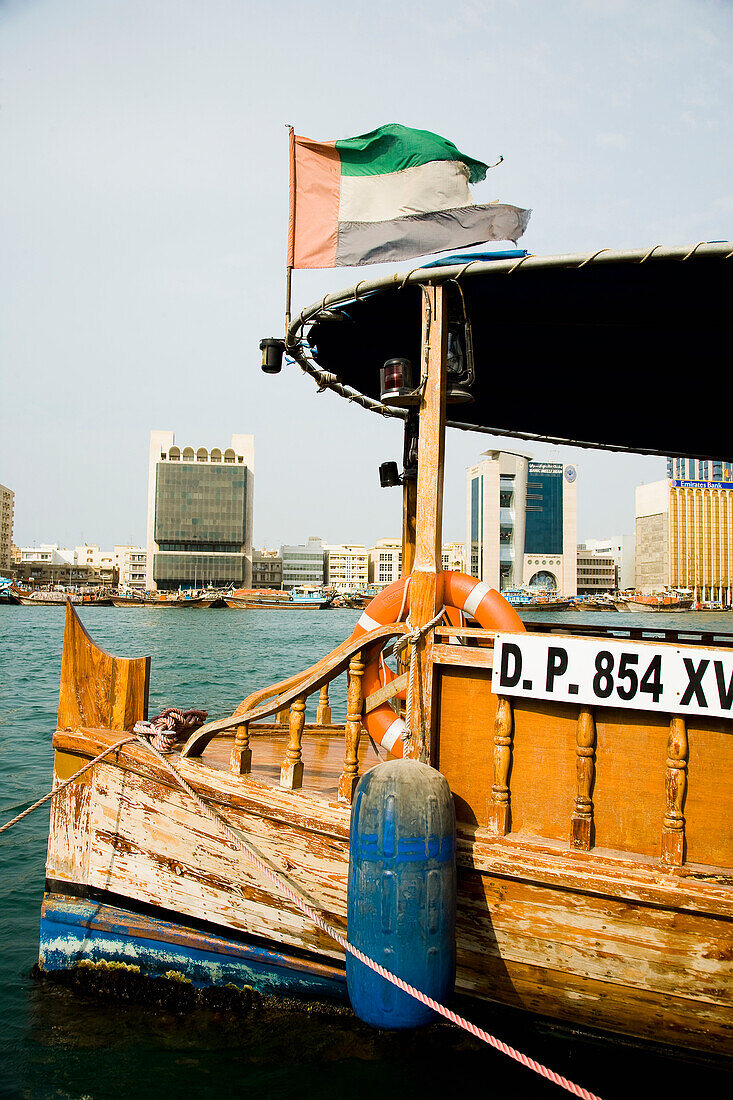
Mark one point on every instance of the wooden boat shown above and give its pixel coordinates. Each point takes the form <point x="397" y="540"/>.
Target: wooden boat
<point x="653" y="603"/>
<point x="594" y="848"/>
<point x="267" y="599"/>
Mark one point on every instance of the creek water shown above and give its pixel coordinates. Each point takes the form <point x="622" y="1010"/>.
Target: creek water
<point x="59" y="1042"/>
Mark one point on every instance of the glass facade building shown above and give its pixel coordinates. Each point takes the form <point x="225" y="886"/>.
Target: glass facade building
<point x="199" y="514"/>
<point x="521" y="520"/>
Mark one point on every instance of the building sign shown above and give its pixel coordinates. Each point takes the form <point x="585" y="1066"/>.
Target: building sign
<point x="701" y="484"/>
<point x="553" y="468"/>
<point x="600" y="672"/>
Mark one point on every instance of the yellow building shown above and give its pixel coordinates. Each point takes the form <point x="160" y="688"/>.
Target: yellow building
<point x="684" y="538"/>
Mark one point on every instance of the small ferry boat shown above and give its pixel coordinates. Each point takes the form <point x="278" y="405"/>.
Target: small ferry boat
<point x="590" y="776"/>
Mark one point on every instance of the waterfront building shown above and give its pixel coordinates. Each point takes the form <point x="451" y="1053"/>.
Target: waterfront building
<point x="100" y="561"/>
<point x="684" y="533"/>
<point x="267" y="569"/>
<point x="385" y="562"/>
<point x="622" y="549"/>
<point x="521" y="522"/>
<point x="303" y="563"/>
<point x="7" y="508"/>
<point x="200" y="513"/>
<point x="596" y="572"/>
<point x="347" y="567"/>
<point x="131" y="565"/>
<point x="454" y="556"/>
<point x="47" y="554"/>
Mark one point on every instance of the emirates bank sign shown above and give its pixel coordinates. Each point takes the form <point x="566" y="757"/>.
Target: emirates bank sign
<point x="701" y="484"/>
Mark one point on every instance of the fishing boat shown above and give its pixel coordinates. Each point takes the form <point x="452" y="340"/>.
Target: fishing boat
<point x="269" y="599"/>
<point x="530" y="600"/>
<point x="653" y="603"/>
<point x="591" y="776"/>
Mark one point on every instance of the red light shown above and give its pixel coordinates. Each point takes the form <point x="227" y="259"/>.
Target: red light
<point x="394" y="375"/>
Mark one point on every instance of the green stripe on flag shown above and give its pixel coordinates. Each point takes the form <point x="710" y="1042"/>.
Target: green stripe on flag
<point x="394" y="147"/>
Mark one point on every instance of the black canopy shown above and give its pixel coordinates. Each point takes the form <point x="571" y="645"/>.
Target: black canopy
<point x="623" y="350"/>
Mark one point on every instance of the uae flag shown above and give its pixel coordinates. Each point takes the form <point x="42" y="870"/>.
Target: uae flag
<point x="388" y="195"/>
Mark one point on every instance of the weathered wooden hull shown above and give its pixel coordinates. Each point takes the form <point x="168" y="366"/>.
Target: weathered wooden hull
<point x="594" y="940"/>
<point x="583" y="895"/>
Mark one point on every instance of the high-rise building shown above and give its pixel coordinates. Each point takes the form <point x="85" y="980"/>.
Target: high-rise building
<point x="684" y="531"/>
<point x="521" y="522"/>
<point x="7" y="506"/>
<point x="200" y="511"/>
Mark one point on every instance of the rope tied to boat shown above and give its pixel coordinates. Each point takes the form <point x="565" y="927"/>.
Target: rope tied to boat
<point x="411" y="639"/>
<point x="171" y="725"/>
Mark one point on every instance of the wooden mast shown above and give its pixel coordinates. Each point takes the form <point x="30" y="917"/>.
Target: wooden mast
<point x="425" y="594"/>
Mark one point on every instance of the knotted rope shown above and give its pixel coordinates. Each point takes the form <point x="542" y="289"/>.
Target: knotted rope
<point x="169" y="726"/>
<point x="412" y="639"/>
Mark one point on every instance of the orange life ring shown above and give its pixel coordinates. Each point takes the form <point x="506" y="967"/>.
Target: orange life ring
<point x="473" y="597"/>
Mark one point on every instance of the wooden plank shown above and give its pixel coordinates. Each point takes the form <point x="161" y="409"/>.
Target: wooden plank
<point x="424" y="588"/>
<point x="98" y="689"/>
<point x="462" y="656"/>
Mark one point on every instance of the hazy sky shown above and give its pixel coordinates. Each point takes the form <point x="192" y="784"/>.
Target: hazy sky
<point x="143" y="214"/>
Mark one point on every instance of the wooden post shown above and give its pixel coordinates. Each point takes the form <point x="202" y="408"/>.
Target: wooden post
<point x="291" y="772"/>
<point x="424" y="586"/>
<point x="282" y="717"/>
<point x="240" y="761"/>
<point x="673" y="825"/>
<point x="581" y="830"/>
<point x="354" y="699"/>
<point x="409" y="491"/>
<point x="323" y="713"/>
<point x="499" y="803"/>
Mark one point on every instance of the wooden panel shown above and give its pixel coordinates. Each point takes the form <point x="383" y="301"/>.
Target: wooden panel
<point x="629" y="796"/>
<point x="68" y="834"/>
<point x="542" y="779"/>
<point x="98" y="689"/>
<point x="154" y="845"/>
<point x="466" y="739"/>
<point x="708" y="807"/>
<point x="597" y="961"/>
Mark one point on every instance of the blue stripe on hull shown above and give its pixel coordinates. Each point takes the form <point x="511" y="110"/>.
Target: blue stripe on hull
<point x="74" y="931"/>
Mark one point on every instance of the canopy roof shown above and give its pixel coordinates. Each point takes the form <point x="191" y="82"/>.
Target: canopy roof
<point x="623" y="350"/>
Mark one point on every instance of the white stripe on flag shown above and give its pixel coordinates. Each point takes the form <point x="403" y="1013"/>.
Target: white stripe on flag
<point x="437" y="185"/>
<point x="393" y="734"/>
<point x="475" y="597"/>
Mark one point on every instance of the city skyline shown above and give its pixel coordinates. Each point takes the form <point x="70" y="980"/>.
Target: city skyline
<point x="144" y="217"/>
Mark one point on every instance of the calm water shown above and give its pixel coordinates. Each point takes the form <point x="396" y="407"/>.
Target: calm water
<point x="55" y="1042"/>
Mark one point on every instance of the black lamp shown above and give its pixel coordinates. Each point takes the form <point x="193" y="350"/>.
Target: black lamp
<point x="272" y="355"/>
<point x="389" y="475"/>
<point x="395" y="384"/>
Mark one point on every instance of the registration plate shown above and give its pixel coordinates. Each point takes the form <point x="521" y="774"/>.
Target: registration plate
<point x="598" y="671"/>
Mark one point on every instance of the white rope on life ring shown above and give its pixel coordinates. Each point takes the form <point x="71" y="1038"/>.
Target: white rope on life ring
<point x="469" y="595"/>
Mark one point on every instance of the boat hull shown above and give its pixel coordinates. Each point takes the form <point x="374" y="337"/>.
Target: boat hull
<point x="80" y="931"/>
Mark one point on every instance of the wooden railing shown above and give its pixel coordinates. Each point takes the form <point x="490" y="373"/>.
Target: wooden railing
<point x="286" y="702"/>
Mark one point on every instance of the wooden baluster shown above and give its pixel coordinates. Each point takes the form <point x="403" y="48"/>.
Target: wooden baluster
<point x="499" y="806"/>
<point x="291" y="772"/>
<point x="283" y="717"/>
<point x="581" y="833"/>
<point x="354" y="699"/>
<point x="673" y="825"/>
<point x="323" y="714"/>
<point x="240" y="761"/>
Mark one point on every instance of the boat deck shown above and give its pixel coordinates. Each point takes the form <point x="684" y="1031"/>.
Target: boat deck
<point x="322" y="755"/>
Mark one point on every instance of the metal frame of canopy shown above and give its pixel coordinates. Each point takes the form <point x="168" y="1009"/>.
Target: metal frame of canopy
<point x="705" y="256"/>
